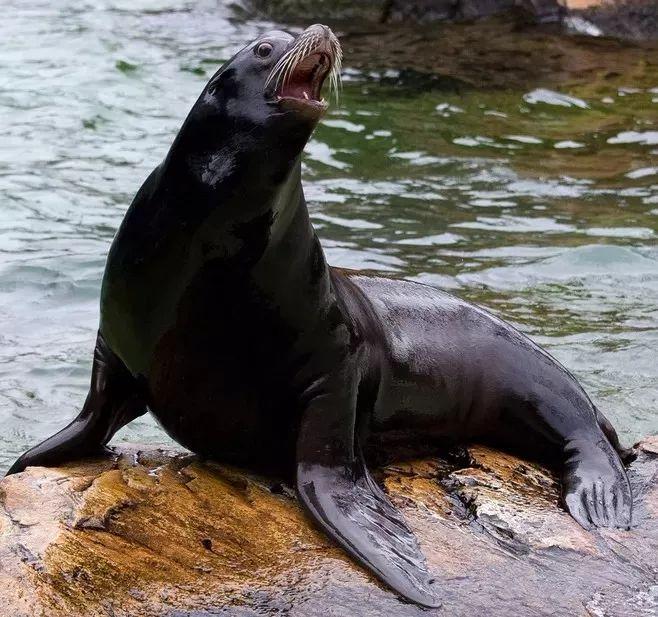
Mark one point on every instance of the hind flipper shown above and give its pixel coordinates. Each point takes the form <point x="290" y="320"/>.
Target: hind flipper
<point x="595" y="487"/>
<point x="112" y="402"/>
<point x="339" y="493"/>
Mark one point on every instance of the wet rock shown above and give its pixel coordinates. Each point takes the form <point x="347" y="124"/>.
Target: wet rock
<point x="157" y="533"/>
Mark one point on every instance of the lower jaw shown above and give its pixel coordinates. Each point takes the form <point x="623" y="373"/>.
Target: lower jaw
<point x="310" y="106"/>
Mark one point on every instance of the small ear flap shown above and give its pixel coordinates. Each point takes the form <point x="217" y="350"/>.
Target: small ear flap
<point x="349" y="506"/>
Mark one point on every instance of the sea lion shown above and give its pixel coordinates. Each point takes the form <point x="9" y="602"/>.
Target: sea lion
<point x="220" y="315"/>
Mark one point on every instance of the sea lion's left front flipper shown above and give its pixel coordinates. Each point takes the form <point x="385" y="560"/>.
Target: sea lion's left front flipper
<point x="114" y="399"/>
<point x="339" y="493"/>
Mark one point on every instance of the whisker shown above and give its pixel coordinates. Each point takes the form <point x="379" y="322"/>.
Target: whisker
<point x="305" y="44"/>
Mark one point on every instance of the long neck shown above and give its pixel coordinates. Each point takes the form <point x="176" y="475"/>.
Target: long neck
<point x="234" y="201"/>
<point x="234" y="164"/>
<point x="293" y="259"/>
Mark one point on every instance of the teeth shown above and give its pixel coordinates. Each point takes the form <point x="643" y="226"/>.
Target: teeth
<point x="307" y="43"/>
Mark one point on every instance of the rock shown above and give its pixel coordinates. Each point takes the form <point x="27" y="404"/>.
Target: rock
<point x="426" y="11"/>
<point x="476" y="9"/>
<point x="157" y="533"/>
<point x="494" y="54"/>
<point x="300" y="10"/>
<point x="422" y="11"/>
<point x="381" y="11"/>
<point x="635" y="20"/>
<point x="490" y="53"/>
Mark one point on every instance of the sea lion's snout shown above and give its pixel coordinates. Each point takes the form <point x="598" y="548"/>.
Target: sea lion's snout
<point x="297" y="78"/>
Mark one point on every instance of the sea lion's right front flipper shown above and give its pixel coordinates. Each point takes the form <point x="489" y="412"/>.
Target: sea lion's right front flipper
<point x="339" y="493"/>
<point x="114" y="400"/>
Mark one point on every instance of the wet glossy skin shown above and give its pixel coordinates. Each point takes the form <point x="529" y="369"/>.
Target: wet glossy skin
<point x="220" y="315"/>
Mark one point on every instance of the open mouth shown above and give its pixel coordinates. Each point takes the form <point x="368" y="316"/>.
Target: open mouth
<point x="298" y="76"/>
<point x="306" y="80"/>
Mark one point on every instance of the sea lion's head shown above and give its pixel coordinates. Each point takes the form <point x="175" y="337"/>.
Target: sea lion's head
<point x="278" y="72"/>
<point x="299" y="67"/>
<point x="265" y="101"/>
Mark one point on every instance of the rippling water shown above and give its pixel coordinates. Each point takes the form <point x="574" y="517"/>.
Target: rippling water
<point x="542" y="206"/>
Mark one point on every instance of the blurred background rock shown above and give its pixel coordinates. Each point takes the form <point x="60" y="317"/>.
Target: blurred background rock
<point x="631" y="19"/>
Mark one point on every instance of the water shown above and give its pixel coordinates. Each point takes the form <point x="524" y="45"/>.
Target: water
<point x="542" y="206"/>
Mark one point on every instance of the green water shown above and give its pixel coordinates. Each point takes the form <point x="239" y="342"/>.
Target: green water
<point x="542" y="207"/>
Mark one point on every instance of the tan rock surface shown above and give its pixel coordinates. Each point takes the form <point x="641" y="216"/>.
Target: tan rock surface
<point x="582" y="4"/>
<point x="160" y="534"/>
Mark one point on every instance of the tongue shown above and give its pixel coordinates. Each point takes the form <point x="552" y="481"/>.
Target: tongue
<point x="300" y="91"/>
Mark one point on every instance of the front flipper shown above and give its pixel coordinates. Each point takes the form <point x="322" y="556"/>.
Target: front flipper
<point x="339" y="493"/>
<point x="113" y="401"/>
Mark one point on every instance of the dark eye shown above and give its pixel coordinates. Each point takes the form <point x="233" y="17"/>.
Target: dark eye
<point x="264" y="50"/>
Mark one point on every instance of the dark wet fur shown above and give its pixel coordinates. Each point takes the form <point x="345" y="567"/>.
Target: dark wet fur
<point x="220" y="315"/>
